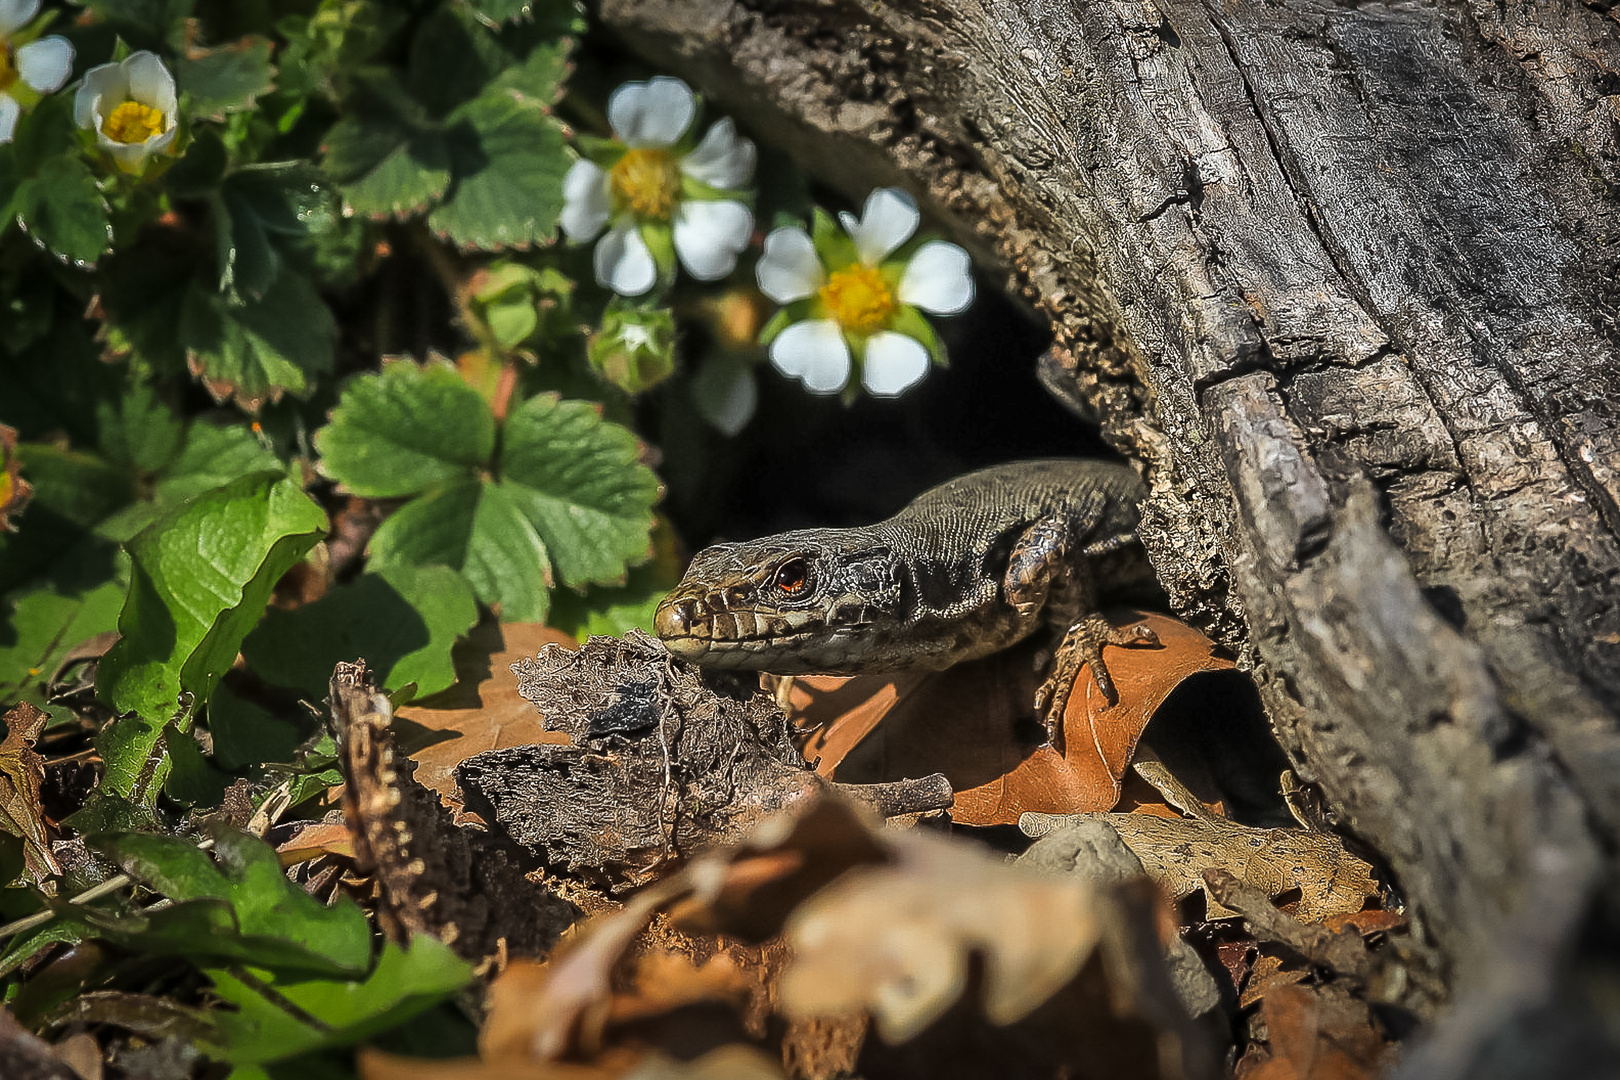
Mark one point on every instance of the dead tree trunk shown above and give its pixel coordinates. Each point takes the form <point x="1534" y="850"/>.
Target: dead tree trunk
<point x="1344" y="276"/>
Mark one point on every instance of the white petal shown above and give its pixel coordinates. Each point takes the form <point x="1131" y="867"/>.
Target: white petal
<point x="789" y="270"/>
<point x="45" y="64"/>
<point x="710" y="234"/>
<point x="654" y="113"/>
<point x="15" y="13"/>
<point x="937" y="279"/>
<point x="893" y="363"/>
<point x="9" y="111"/>
<point x="888" y="220"/>
<point x="128" y="156"/>
<point x="103" y="81"/>
<point x="623" y="262"/>
<point x="723" y="159"/>
<point x="586" y="205"/>
<point x="150" y="83"/>
<point x="813" y="351"/>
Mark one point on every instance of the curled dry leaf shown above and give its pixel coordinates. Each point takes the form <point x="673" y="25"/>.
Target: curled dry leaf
<point x="899" y="940"/>
<point x="1177" y="852"/>
<point x="974" y="724"/>
<point x="656" y="766"/>
<point x="21" y="773"/>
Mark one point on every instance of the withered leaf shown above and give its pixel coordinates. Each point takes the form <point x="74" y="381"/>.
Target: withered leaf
<point x="974" y="724"/>
<point x="21" y="773"/>
<point x="456" y="884"/>
<point x="1177" y="852"/>
<point x="1315" y="1033"/>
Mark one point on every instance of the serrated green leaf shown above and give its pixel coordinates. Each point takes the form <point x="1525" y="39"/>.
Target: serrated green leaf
<point x="475" y="528"/>
<point x="263" y="1029"/>
<point x="256" y="352"/>
<point x="237" y="906"/>
<point x="226" y="79"/>
<point x="62" y="208"/>
<point x="200" y="581"/>
<point x="580" y="481"/>
<point x="402" y="620"/>
<point x="509" y="161"/>
<point x="452" y="59"/>
<point x="386" y="159"/>
<point x="146" y="23"/>
<point x="247" y="263"/>
<point x="410" y="428"/>
<point x="291" y="198"/>
<point x="192" y="781"/>
<point x="496" y="12"/>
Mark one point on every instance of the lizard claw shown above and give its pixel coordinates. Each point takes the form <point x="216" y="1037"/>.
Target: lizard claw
<point x="1082" y="645"/>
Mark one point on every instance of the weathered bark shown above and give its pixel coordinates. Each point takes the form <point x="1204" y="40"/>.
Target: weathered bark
<point x="1344" y="277"/>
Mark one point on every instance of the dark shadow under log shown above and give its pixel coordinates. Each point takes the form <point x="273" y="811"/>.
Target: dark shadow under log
<point x="1345" y="279"/>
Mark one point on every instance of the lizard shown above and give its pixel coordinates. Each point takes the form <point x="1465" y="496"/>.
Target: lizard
<point x="967" y="569"/>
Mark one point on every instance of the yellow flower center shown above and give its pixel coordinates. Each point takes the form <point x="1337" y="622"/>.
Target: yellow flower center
<point x="132" y="122"/>
<point x="648" y="182"/>
<point x="859" y="298"/>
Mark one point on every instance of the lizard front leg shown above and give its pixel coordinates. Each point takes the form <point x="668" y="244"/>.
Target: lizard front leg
<point x="1050" y="571"/>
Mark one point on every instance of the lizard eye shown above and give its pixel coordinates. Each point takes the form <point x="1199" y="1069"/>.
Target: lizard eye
<point x="793" y="577"/>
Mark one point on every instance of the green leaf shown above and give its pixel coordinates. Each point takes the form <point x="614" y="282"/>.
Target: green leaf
<point x="402" y="620"/>
<point x="247" y="263"/>
<point x="246" y="733"/>
<point x="39" y="625"/>
<point x="475" y="528"/>
<point x="237" y="906"/>
<point x="291" y="198"/>
<point x="192" y="780"/>
<point x="259" y="350"/>
<point x="200" y="581"/>
<point x="147" y="23"/>
<point x="499" y="11"/>
<point x="226" y="79"/>
<point x="612" y="610"/>
<point x="325" y="1013"/>
<point x="62" y="208"/>
<point x="410" y="428"/>
<point x="580" y="480"/>
<point x="384" y="156"/>
<point x="509" y="160"/>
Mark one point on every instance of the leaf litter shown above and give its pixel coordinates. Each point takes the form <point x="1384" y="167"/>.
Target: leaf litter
<point x="658" y="885"/>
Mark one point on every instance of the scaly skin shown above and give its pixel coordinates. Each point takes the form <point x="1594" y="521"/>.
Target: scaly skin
<point x="968" y="569"/>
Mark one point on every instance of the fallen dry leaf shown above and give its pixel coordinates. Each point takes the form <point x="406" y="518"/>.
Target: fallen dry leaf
<point x="482" y="711"/>
<point x="1315" y="1033"/>
<point x="1267" y="975"/>
<point x="899" y="940"/>
<point x="973" y="723"/>
<point x="458" y="884"/>
<point x="14" y="490"/>
<point x="21" y="773"/>
<point x="1176" y="853"/>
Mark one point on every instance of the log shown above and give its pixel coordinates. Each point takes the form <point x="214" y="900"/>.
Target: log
<point x="1344" y="277"/>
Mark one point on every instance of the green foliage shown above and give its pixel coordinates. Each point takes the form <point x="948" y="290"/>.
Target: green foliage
<point x="234" y="906"/>
<point x="557" y="487"/>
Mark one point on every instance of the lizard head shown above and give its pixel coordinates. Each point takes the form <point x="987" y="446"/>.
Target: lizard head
<point x="790" y="604"/>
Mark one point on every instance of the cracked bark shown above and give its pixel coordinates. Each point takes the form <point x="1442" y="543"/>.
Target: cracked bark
<point x="1344" y="277"/>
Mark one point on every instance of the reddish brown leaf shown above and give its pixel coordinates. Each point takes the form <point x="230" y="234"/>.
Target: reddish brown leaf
<point x="14" y="490"/>
<point x="482" y="711"/>
<point x="21" y="773"/>
<point x="320" y="838"/>
<point x="1315" y="1033"/>
<point x="1267" y="975"/>
<point x="973" y="724"/>
<point x="1365" y="923"/>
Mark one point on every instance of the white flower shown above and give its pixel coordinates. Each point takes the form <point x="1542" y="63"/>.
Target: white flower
<point x="130" y="105"/>
<point x="847" y="300"/>
<point x="656" y="195"/>
<point x="29" y="69"/>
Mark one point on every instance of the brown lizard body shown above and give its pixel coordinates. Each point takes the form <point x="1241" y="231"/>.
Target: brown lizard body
<point x="967" y="569"/>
